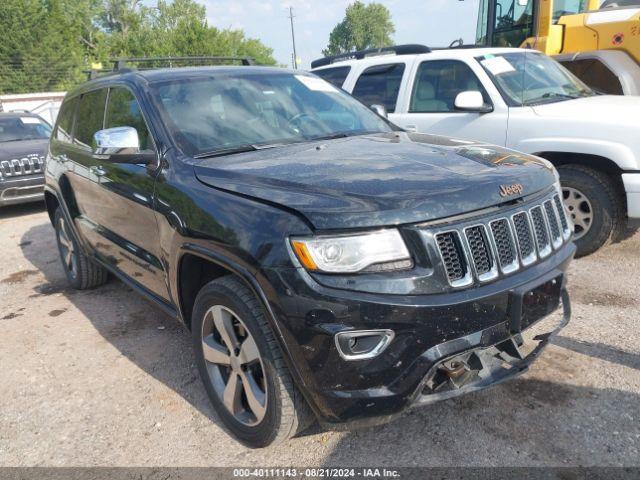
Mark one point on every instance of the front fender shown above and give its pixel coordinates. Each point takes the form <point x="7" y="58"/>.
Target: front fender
<point x="622" y="155"/>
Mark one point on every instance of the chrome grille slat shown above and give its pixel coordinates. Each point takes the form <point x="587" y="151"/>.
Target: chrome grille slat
<point x="540" y="231"/>
<point x="482" y="249"/>
<point x="505" y="245"/>
<point x="554" y="224"/>
<point x="453" y="256"/>
<point x="566" y="230"/>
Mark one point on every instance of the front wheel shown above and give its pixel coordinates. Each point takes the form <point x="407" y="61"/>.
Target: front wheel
<point x="242" y="368"/>
<point x="594" y="205"/>
<point x="82" y="273"/>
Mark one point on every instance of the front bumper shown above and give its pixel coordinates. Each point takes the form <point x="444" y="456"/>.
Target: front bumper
<point x="429" y="330"/>
<point x="21" y="190"/>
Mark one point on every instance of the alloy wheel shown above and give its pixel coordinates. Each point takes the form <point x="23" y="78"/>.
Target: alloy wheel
<point x="580" y="209"/>
<point x="234" y="365"/>
<point x="67" y="249"/>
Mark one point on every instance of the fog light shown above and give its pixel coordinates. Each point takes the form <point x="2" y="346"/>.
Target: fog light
<point x="362" y="344"/>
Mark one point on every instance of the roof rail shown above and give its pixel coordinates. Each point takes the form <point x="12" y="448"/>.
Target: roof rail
<point x="410" y="49"/>
<point x="123" y="65"/>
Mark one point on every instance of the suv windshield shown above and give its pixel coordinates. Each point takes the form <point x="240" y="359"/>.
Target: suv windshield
<point x="526" y="78"/>
<point x="229" y="112"/>
<point x="14" y="129"/>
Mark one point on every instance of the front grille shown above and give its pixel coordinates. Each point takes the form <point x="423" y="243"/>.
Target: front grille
<point x="452" y="256"/>
<point x="480" y="249"/>
<point x="503" y="244"/>
<point x="27" y="165"/>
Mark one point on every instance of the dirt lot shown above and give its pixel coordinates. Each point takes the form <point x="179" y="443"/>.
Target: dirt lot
<point x="104" y="378"/>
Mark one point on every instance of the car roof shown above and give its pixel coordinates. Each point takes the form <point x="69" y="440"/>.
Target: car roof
<point x="444" y="53"/>
<point x="163" y="74"/>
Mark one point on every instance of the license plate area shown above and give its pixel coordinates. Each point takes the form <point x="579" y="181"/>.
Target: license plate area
<point x="528" y="305"/>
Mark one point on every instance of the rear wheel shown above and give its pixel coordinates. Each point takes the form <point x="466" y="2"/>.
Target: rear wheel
<point x="242" y="368"/>
<point x="594" y="204"/>
<point x="82" y="273"/>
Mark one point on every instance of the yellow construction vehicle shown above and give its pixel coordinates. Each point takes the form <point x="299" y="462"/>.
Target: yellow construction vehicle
<point x="600" y="43"/>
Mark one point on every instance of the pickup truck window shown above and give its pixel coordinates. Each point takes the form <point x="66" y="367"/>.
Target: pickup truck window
<point x="336" y="76"/>
<point x="90" y="116"/>
<point x="380" y="85"/>
<point x="438" y="83"/>
<point x="527" y="78"/>
<point x="227" y="112"/>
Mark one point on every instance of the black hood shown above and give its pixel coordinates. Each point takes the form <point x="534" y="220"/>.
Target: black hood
<point x="23" y="148"/>
<point x="376" y="180"/>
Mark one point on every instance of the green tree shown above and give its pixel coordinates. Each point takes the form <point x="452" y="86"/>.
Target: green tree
<point x="49" y="44"/>
<point x="363" y="26"/>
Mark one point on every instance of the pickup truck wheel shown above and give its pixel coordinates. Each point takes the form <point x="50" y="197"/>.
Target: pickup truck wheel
<point x="242" y="368"/>
<point x="594" y="204"/>
<point x="82" y="273"/>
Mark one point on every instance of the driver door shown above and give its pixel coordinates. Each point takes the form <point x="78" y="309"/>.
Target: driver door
<point x="430" y="107"/>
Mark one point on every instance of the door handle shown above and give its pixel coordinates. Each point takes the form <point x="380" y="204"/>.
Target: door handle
<point x="98" y="171"/>
<point x="411" y="128"/>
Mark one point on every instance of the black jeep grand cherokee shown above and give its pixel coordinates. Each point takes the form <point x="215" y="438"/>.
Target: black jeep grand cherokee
<point x="328" y="264"/>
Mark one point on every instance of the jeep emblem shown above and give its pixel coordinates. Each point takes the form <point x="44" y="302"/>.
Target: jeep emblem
<point x="509" y="190"/>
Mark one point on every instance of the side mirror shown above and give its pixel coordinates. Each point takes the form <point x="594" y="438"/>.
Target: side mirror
<point x="379" y="109"/>
<point x="472" y="101"/>
<point x="121" y="145"/>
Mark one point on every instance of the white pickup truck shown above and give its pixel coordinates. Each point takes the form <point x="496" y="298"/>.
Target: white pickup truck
<point x="520" y="99"/>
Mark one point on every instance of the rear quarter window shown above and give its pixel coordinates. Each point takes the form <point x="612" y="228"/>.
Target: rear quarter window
<point x="64" y="126"/>
<point x="336" y="76"/>
<point x="380" y="85"/>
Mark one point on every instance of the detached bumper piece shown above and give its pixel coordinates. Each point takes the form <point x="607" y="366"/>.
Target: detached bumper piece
<point x="484" y="367"/>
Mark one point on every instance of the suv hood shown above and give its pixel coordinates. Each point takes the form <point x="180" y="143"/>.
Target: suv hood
<point x="23" y="148"/>
<point x="602" y="109"/>
<point x="376" y="180"/>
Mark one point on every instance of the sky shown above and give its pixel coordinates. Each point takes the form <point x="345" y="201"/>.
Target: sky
<point x="428" y="22"/>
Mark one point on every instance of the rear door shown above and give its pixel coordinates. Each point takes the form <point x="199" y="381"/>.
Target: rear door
<point x="429" y="106"/>
<point x="117" y="200"/>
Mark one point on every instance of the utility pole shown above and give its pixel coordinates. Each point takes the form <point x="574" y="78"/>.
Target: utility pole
<point x="293" y="40"/>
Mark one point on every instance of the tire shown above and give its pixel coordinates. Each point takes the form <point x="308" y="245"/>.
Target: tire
<point x="82" y="273"/>
<point x="590" y="193"/>
<point x="277" y="411"/>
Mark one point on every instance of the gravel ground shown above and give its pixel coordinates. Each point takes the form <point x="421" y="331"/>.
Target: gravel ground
<point x="104" y="378"/>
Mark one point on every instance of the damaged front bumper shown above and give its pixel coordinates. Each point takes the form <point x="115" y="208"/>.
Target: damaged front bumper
<point x="485" y="366"/>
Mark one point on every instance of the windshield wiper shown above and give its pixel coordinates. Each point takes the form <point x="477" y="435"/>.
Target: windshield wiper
<point x="249" y="147"/>
<point x="551" y="96"/>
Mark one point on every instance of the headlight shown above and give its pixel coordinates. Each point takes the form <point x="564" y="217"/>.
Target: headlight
<point x="376" y="251"/>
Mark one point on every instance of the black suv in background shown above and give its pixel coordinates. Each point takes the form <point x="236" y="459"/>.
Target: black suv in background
<point x="328" y="264"/>
<point x="23" y="145"/>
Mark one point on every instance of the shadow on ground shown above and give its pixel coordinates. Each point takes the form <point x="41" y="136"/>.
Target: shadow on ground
<point x="526" y="421"/>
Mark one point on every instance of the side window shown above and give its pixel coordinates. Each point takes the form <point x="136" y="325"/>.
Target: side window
<point x="65" y="121"/>
<point x="335" y="76"/>
<point x="90" y="116"/>
<point x="438" y="83"/>
<point x="595" y="74"/>
<point x="123" y="110"/>
<point x="380" y="85"/>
